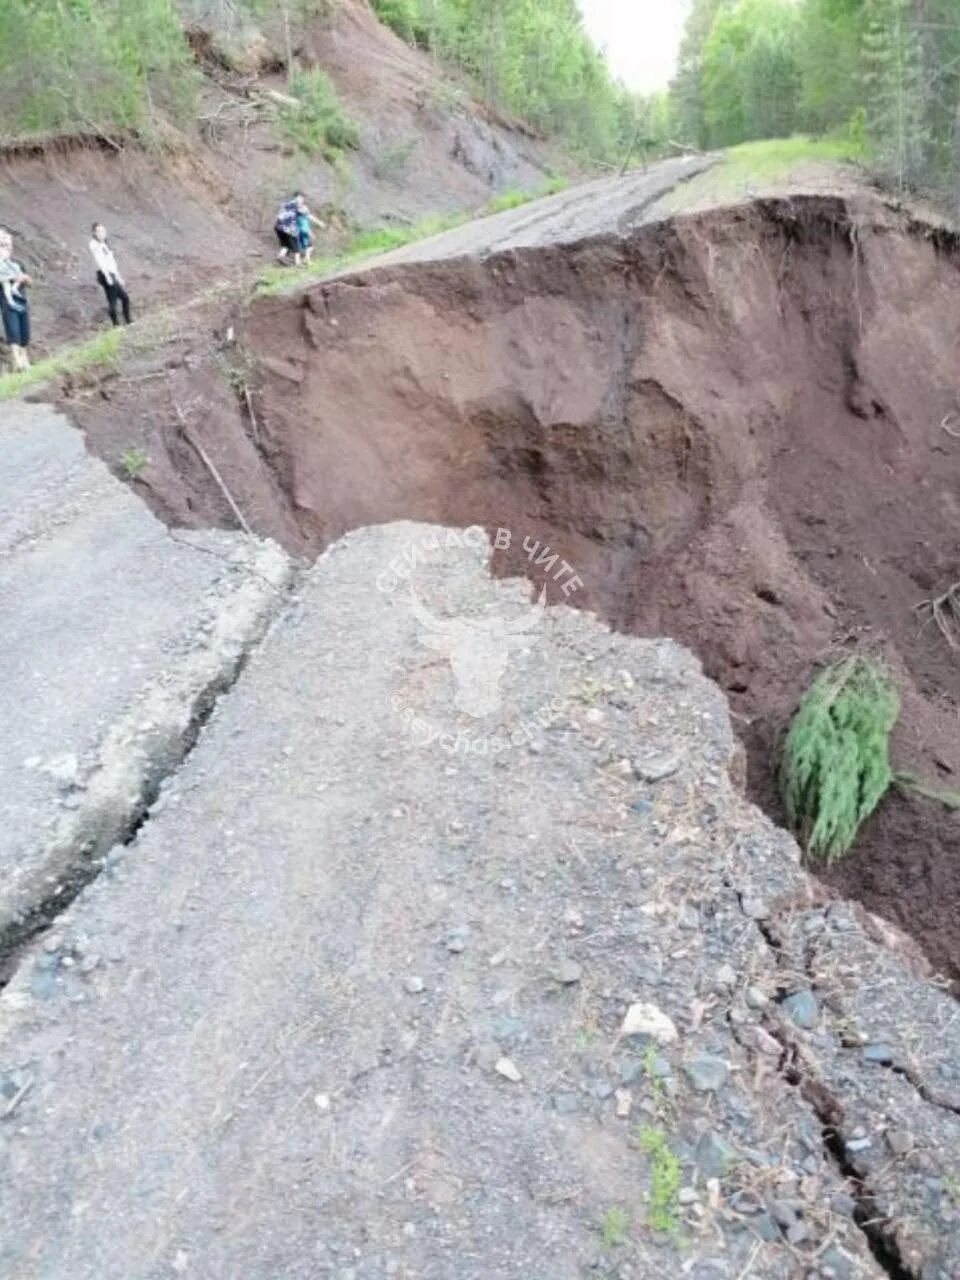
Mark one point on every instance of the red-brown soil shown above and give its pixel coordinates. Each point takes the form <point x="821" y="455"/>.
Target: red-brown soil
<point x="729" y="425"/>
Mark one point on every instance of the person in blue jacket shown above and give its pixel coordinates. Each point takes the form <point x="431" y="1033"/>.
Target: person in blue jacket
<point x="294" y="229"/>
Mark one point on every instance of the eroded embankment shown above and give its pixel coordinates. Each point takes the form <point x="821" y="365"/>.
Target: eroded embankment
<point x="731" y="425"/>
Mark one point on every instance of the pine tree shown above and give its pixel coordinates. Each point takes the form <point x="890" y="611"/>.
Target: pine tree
<point x="896" y="90"/>
<point x="836" y="763"/>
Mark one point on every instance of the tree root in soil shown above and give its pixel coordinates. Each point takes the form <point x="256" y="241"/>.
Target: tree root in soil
<point x="944" y="611"/>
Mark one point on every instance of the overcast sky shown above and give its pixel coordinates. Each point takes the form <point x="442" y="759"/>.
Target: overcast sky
<point x="641" y="37"/>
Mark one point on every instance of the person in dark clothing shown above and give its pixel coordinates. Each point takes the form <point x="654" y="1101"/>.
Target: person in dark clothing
<point x="293" y="227"/>
<point x="108" y="275"/>
<point x="285" y="227"/>
<point x="14" y="307"/>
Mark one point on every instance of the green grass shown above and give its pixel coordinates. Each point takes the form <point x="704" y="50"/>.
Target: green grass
<point x="317" y="124"/>
<point x="743" y="170"/>
<point x="910" y="783"/>
<point x="134" y="461"/>
<point x="614" y="1227"/>
<point x="778" y="157"/>
<point x="514" y="197"/>
<point x="664" y="1214"/>
<point x="97" y="352"/>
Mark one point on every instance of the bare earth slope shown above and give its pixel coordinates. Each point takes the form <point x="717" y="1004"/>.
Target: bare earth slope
<point x="352" y="1005"/>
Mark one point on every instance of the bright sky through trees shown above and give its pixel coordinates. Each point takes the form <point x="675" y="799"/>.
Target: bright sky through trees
<point x="641" y="37"/>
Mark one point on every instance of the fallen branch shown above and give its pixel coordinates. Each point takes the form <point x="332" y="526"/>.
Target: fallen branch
<point x="910" y="783"/>
<point x="283" y="99"/>
<point x="248" y="401"/>
<point x="208" y="463"/>
<point x="944" y="610"/>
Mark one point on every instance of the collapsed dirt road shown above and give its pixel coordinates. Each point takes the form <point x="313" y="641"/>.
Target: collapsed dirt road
<point x="453" y="948"/>
<point x="733" y="422"/>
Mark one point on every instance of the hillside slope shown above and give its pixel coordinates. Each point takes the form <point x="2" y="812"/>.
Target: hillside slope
<point x="201" y="211"/>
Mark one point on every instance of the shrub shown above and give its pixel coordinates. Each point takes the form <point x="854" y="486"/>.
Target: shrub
<point x="318" y="124"/>
<point x="87" y="68"/>
<point x="836" y="762"/>
<point x="402" y="16"/>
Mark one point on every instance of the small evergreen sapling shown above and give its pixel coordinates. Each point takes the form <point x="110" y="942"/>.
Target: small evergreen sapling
<point x="836" y="759"/>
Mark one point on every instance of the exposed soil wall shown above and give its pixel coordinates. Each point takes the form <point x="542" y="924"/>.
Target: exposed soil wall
<point x="731" y="426"/>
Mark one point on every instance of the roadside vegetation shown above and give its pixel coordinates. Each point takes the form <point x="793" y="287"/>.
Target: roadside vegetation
<point x="836" y="758"/>
<point x="104" y="68"/>
<point x="878" y="77"/>
<point x="529" y="58"/>
<point x="99" y="352"/>
<point x="122" y="67"/>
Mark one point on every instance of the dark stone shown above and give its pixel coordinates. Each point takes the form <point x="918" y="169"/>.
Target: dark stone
<point x="802" y="1009"/>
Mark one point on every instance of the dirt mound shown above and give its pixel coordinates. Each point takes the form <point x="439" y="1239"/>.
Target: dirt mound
<point x="730" y="426"/>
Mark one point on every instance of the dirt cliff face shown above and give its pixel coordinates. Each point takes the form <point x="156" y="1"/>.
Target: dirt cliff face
<point x="731" y="426"/>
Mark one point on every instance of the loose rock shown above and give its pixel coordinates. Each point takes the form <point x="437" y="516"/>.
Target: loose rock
<point x="647" y="1020"/>
<point x="657" y="768"/>
<point x="568" y="973"/>
<point x="506" y="1068"/>
<point x="706" y="1073"/>
<point x="802" y="1009"/>
<point x="881" y="1054"/>
<point x="900" y="1141"/>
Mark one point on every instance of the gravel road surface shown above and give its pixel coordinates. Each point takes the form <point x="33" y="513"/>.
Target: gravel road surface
<point x="387" y="989"/>
<point x="590" y="209"/>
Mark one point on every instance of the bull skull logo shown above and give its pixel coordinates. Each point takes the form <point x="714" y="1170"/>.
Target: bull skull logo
<point x="478" y="649"/>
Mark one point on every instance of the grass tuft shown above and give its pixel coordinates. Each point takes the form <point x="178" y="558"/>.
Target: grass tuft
<point x="753" y="167"/>
<point x="836" y="759"/>
<point x="614" y="1227"/>
<point x="96" y="352"/>
<point x="664" y="1180"/>
<point x="134" y="461"/>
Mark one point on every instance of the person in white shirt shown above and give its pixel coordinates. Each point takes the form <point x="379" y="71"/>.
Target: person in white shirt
<point x="108" y="274"/>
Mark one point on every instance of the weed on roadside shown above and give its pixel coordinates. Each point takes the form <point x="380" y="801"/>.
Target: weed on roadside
<point x="134" y="461"/>
<point x="836" y="758"/>
<point x="665" y="1177"/>
<point x="614" y="1226"/>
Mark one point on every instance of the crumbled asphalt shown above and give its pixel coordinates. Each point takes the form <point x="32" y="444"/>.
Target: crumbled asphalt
<point x="117" y="636"/>
<point x="382" y="989"/>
